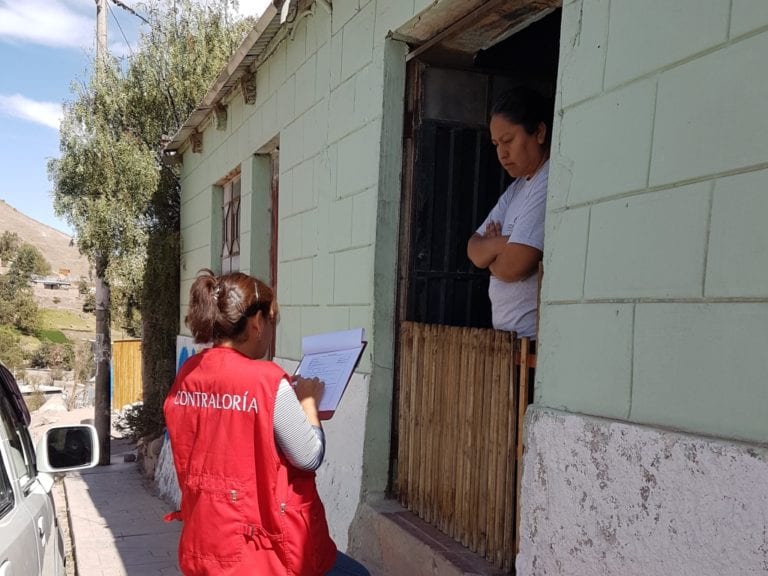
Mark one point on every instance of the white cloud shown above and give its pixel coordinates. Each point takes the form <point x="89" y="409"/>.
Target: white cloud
<point x="45" y="113"/>
<point x="47" y="22"/>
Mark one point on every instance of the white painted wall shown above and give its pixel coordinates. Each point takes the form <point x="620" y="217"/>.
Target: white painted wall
<point x="608" y="497"/>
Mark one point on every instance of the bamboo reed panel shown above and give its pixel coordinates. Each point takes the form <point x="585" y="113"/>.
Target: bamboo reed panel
<point x="459" y="433"/>
<point x="126" y="373"/>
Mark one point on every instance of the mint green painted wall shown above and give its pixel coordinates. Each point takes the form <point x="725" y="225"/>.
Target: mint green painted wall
<point x="321" y="94"/>
<point x="655" y="292"/>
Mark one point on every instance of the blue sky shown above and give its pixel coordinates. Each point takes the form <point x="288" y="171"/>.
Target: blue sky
<point x="45" y="45"/>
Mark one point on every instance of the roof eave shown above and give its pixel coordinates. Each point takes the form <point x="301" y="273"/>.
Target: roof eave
<point x="238" y="65"/>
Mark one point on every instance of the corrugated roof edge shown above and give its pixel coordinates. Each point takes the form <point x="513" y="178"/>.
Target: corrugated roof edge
<point x="247" y="53"/>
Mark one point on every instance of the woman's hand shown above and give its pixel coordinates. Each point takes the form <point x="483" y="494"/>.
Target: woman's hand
<point x="492" y="230"/>
<point x="483" y="250"/>
<point x="309" y="391"/>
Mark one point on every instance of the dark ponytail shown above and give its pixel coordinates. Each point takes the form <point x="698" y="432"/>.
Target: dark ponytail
<point x="220" y="306"/>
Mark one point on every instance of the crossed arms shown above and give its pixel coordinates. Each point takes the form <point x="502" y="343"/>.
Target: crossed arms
<point x="509" y="262"/>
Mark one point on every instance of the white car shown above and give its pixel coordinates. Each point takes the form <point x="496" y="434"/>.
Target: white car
<point x="30" y="540"/>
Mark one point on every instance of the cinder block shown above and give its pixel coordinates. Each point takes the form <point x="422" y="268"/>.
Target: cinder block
<point x="337" y="44"/>
<point x="322" y="289"/>
<point x="710" y="115"/>
<point x="310" y="236"/>
<point x="702" y="367"/>
<point x="353" y="276"/>
<point x="301" y="279"/>
<point x="582" y="49"/>
<point x="737" y="263"/>
<point x="649" y="246"/>
<point x="340" y="223"/>
<point x="343" y="11"/>
<point x="648" y="35"/>
<point x="606" y="143"/>
<point x="286" y="103"/>
<point x="565" y="251"/>
<point x="285" y="194"/>
<point x="291" y="145"/>
<point x="269" y="115"/>
<point x="748" y="15"/>
<point x="196" y="209"/>
<point x="341" y="118"/>
<point x="364" y="217"/>
<point x="358" y="41"/>
<point x="198" y="234"/>
<point x="304" y="197"/>
<point x="288" y="341"/>
<point x="310" y="25"/>
<point x="323" y="79"/>
<point x="358" y="160"/>
<point x="362" y="317"/>
<point x="278" y="66"/>
<point x="305" y="85"/>
<point x="585" y="358"/>
<point x="191" y="262"/>
<point x="319" y="319"/>
<point x="325" y="174"/>
<point x="315" y="123"/>
<point x="289" y="242"/>
<point x="296" y="50"/>
<point x="322" y="25"/>
<point x="369" y="89"/>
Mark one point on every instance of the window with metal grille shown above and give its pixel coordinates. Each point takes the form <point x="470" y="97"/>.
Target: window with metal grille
<point x="230" y="228"/>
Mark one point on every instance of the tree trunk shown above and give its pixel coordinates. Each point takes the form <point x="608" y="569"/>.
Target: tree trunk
<point x="102" y="357"/>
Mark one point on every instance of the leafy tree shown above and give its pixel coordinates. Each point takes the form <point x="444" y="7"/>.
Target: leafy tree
<point x="10" y="348"/>
<point x="110" y="182"/>
<point x="29" y="261"/>
<point x="18" y="308"/>
<point x="9" y="244"/>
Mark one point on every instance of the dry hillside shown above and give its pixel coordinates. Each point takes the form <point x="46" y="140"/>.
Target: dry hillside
<point x="57" y="247"/>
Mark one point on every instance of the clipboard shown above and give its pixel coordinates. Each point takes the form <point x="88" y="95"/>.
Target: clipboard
<point x="332" y="357"/>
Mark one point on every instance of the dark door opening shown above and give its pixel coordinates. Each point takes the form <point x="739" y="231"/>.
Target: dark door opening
<point x="461" y="392"/>
<point x="452" y="176"/>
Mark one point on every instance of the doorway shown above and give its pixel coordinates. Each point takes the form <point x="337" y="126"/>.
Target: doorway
<point x="461" y="386"/>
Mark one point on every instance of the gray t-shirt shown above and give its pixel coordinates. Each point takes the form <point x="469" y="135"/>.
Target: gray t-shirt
<point x="520" y="210"/>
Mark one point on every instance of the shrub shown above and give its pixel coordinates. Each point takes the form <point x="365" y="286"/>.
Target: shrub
<point x="53" y="355"/>
<point x="11" y="353"/>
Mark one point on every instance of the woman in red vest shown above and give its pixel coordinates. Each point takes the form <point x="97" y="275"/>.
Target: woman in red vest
<point x="246" y="441"/>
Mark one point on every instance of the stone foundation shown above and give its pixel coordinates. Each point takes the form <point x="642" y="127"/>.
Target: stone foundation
<point x="609" y="497"/>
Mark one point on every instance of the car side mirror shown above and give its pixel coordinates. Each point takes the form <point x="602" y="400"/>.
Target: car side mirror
<point x="66" y="448"/>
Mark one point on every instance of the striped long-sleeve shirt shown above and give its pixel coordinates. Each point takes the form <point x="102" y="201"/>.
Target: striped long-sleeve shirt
<point x="302" y="443"/>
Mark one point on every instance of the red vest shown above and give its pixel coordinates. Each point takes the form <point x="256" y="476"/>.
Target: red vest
<point x="245" y="509"/>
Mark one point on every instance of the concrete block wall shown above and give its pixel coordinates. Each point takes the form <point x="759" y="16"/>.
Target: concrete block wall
<point x="321" y="92"/>
<point x="655" y="288"/>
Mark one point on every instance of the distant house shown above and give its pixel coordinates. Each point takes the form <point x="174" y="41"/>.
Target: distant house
<point x="342" y="156"/>
<point x="52" y="282"/>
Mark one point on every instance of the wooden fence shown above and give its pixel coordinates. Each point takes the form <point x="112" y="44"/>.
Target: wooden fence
<point x="462" y="395"/>
<point x="126" y="373"/>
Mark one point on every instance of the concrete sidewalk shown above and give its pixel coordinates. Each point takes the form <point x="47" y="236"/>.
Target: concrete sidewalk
<point x="116" y="521"/>
<point x="116" y="525"/>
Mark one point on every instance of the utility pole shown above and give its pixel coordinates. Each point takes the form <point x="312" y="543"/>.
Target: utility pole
<point x="103" y="347"/>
